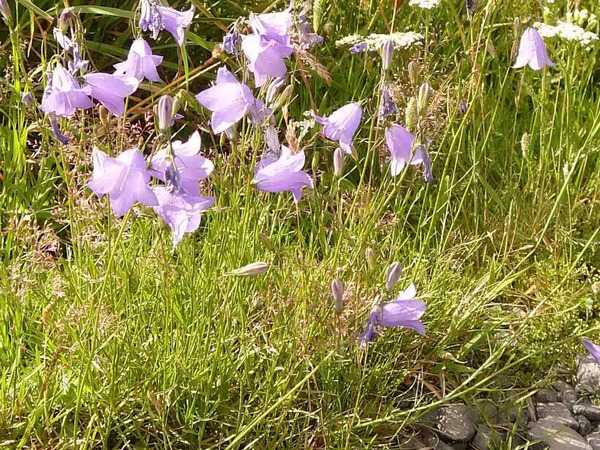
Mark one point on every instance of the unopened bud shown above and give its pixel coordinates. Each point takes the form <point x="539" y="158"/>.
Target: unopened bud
<point x="525" y="140"/>
<point x="27" y="98"/>
<point x="273" y="88"/>
<point x="316" y="159"/>
<point x="584" y="14"/>
<point x="387" y="54"/>
<point x="284" y="97"/>
<point x="103" y="114"/>
<point x="252" y="269"/>
<point x="411" y="114"/>
<point x="165" y="112"/>
<point x="338" y="162"/>
<point x="5" y="11"/>
<point x="463" y="106"/>
<point x="337" y="290"/>
<point x="423" y="100"/>
<point x="413" y="72"/>
<point x="393" y="275"/>
<point x="518" y="26"/>
<point x="371" y="258"/>
<point x="65" y="17"/>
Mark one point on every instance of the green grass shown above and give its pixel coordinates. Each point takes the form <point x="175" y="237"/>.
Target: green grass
<point x="108" y="339"/>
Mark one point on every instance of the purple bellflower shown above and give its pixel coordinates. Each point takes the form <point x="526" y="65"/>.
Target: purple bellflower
<point x="593" y="349"/>
<point x="63" y="94"/>
<point x="230" y="42"/>
<point x="532" y="51"/>
<point x="124" y="178"/>
<point x="176" y="21"/>
<point x="265" y="57"/>
<point x="151" y="18"/>
<point x="180" y="211"/>
<point x="341" y="125"/>
<point x="140" y="63"/>
<point x="111" y="90"/>
<point x="283" y="174"/>
<point x="229" y="100"/>
<point x="358" y="48"/>
<point x="306" y="37"/>
<point x="272" y="26"/>
<point x="191" y="166"/>
<point x="387" y="106"/>
<point x="400" y="142"/>
<point x="405" y="311"/>
<point x="60" y="137"/>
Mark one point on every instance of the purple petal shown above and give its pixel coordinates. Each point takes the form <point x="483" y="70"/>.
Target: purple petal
<point x="111" y="90"/>
<point x="593" y="349"/>
<point x="175" y="21"/>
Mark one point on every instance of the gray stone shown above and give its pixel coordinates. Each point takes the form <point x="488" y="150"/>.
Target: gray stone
<point x="566" y="393"/>
<point x="486" y="412"/>
<point x="412" y="443"/>
<point x="588" y="376"/>
<point x="591" y="412"/>
<point x="453" y="423"/>
<point x="514" y="414"/>
<point x="594" y="440"/>
<point x="546" y="396"/>
<point x="555" y="436"/>
<point x="585" y="427"/>
<point x="558" y="412"/>
<point x="483" y="439"/>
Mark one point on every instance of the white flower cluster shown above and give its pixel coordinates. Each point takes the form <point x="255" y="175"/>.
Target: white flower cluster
<point x="424" y="4"/>
<point x="375" y="41"/>
<point x="565" y="30"/>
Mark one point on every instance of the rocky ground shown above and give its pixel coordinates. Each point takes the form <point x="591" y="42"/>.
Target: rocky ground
<point x="559" y="418"/>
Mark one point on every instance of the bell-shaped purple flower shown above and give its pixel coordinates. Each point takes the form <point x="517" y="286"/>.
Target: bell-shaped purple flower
<point x="180" y="211"/>
<point x="111" y="90"/>
<point x="405" y="311"/>
<point x="593" y="349"/>
<point x="387" y="106"/>
<point x="265" y="57"/>
<point x="359" y="47"/>
<point x="63" y="94"/>
<point x="532" y="51"/>
<point x="341" y="125"/>
<point x="229" y="100"/>
<point x="176" y="21"/>
<point x="191" y="166"/>
<point x="140" y="63"/>
<point x="272" y="26"/>
<point x="151" y="17"/>
<point x="400" y="142"/>
<point x="230" y="42"/>
<point x="283" y="174"/>
<point x="124" y="178"/>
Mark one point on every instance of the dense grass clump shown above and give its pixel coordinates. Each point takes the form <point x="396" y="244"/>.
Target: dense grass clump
<point x="112" y="338"/>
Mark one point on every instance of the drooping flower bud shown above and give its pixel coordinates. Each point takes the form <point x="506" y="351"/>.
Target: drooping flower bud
<point x="337" y="290"/>
<point x="463" y="106"/>
<point x="27" y="98"/>
<point x="273" y="88"/>
<point x="284" y="97"/>
<point x="371" y="258"/>
<point x="5" y="11"/>
<point x="411" y="114"/>
<point x="165" y="113"/>
<point x="65" y="17"/>
<point x="393" y="275"/>
<point x="387" y="54"/>
<point x="525" y="140"/>
<point x="338" y="162"/>
<point x="252" y="269"/>
<point x="423" y="99"/>
<point x="413" y="72"/>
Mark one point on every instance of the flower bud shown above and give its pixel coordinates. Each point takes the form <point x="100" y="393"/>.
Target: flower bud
<point x="525" y="140"/>
<point x="5" y="11"/>
<point x="423" y="99"/>
<point x="337" y="290"/>
<point x="316" y="159"/>
<point x="273" y="88"/>
<point x="165" y="113"/>
<point x="252" y="269"/>
<point x="27" y="98"/>
<point x="338" y="162"/>
<point x="387" y="54"/>
<point x="463" y="106"/>
<point x="584" y="14"/>
<point x="284" y="97"/>
<point x="65" y="17"/>
<point x="371" y="258"/>
<point x="413" y="72"/>
<point x="393" y="275"/>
